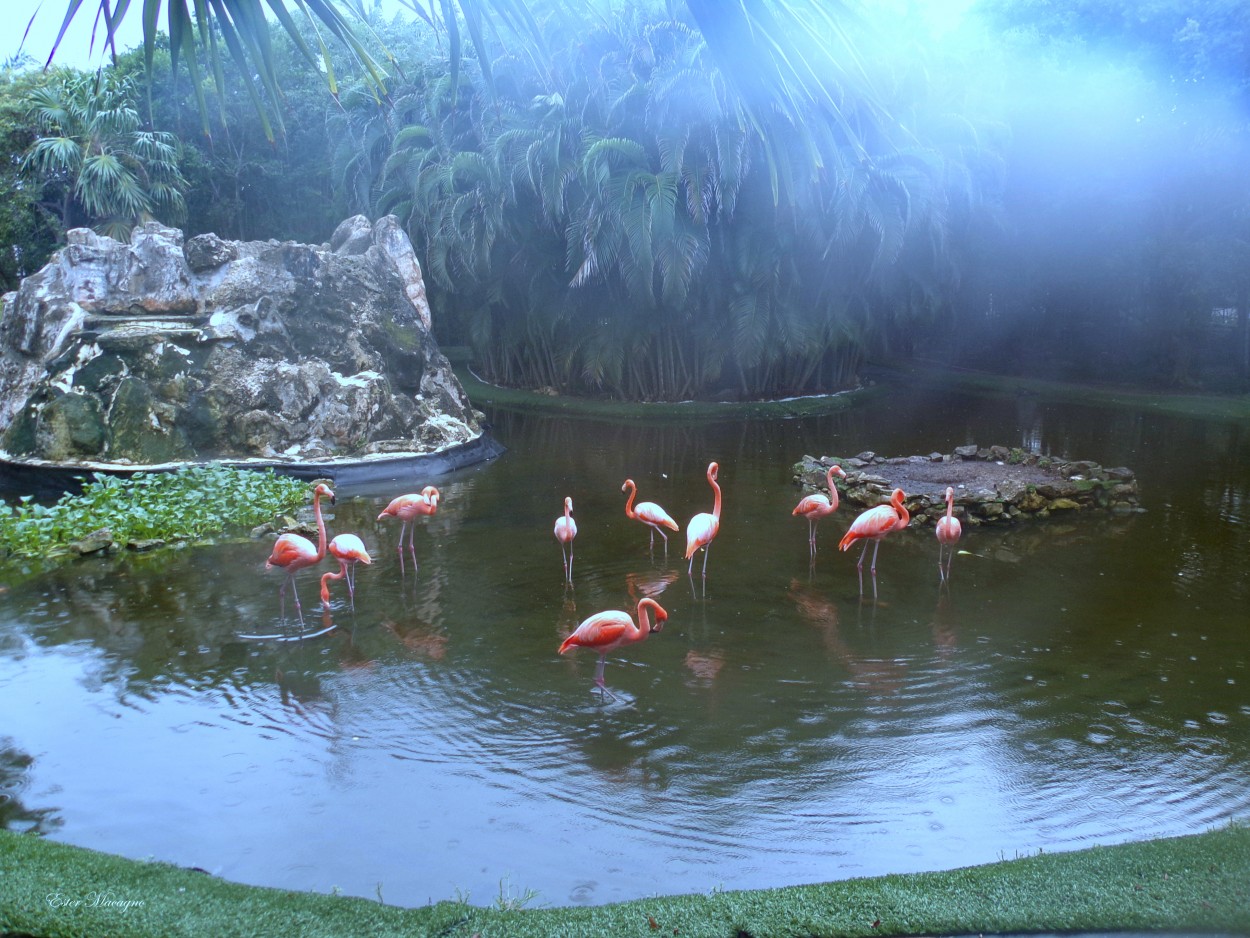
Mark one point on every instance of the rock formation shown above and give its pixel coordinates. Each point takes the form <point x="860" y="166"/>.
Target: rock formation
<point x="160" y="351"/>
<point x="992" y="484"/>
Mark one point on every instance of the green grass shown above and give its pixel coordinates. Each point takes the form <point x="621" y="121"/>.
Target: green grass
<point x="1193" y="884"/>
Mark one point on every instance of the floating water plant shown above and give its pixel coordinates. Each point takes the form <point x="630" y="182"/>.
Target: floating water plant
<point x="149" y="506"/>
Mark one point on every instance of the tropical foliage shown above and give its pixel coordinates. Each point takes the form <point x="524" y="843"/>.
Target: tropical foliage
<point x="620" y="222"/>
<point x="97" y="162"/>
<point x="27" y="233"/>
<point x="705" y="199"/>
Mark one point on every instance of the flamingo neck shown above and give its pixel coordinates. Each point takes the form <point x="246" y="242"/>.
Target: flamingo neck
<point x="833" y="489"/>
<point x="950" y="505"/>
<point x="629" y="502"/>
<point x="716" y="504"/>
<point x="321" y="526"/>
<point x="904" y="518"/>
<point x="644" y="620"/>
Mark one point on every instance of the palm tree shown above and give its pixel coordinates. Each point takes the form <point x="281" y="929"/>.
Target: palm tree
<point x="95" y="155"/>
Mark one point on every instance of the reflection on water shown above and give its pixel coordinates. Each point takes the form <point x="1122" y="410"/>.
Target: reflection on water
<point x="1079" y="681"/>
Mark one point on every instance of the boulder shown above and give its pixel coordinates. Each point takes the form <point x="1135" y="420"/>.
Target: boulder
<point x="160" y="351"/>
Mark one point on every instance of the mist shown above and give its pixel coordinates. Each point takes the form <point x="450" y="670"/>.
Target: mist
<point x="1113" y="241"/>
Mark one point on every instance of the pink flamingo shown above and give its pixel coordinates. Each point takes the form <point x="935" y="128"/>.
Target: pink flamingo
<point x="703" y="527"/>
<point x="817" y="506"/>
<point x="948" y="532"/>
<point x="565" y="531"/>
<point x="650" y="514"/>
<point x="608" y="631"/>
<point x="294" y="552"/>
<point x="874" y="524"/>
<point x="348" y="550"/>
<point x="407" y="508"/>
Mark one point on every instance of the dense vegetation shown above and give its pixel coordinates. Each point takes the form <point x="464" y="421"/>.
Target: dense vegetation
<point x="626" y="205"/>
<point x="166" y="506"/>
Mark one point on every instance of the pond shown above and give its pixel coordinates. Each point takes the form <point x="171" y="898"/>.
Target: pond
<point x="1080" y="681"/>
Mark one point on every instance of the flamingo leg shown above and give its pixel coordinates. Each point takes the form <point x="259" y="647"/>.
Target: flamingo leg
<point x="706" y="550"/>
<point x="290" y="580"/>
<point x="599" y="682"/>
<point x="874" y="557"/>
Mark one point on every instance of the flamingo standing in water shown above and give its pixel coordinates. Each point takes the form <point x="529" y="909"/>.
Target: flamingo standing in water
<point x="565" y="531"/>
<point x="816" y="506"/>
<point x="874" y="524"/>
<point x="407" y="508"/>
<point x="608" y="631"/>
<point x="650" y="514"/>
<point x="948" y="532"/>
<point x="294" y="552"/>
<point x="348" y="550"/>
<point x="703" y="527"/>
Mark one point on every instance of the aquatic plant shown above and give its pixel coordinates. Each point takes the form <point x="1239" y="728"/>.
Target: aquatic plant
<point x="186" y="503"/>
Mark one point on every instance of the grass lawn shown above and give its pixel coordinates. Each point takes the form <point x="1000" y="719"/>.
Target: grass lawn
<point x="1194" y="884"/>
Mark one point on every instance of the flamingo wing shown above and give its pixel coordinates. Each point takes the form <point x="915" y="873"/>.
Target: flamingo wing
<point x="652" y="513"/>
<point x="816" y="504"/>
<point x="292" y="550"/>
<point x="407" y="507"/>
<point x="347" y="547"/>
<point x="700" y="532"/>
<point x="565" y="529"/>
<point x="602" y="631"/>
<point x="875" y="522"/>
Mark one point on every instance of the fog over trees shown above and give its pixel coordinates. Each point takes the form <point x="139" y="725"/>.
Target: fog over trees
<point x="660" y="201"/>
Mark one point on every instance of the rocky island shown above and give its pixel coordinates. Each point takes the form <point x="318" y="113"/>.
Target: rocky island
<point x="993" y="485"/>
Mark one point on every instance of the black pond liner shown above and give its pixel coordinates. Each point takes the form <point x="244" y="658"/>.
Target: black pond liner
<point x="45" y="481"/>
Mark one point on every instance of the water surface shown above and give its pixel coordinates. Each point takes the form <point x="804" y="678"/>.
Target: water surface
<point x="1082" y="681"/>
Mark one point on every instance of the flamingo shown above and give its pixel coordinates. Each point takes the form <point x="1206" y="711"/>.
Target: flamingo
<point x="608" y="631"/>
<point x="294" y="552"/>
<point x="874" y="524"/>
<point x="816" y="506"/>
<point x="704" y="527"/>
<point x="348" y="550"/>
<point x="407" y="508"/>
<point x="948" y="532"/>
<point x="565" y="531"/>
<point x="650" y="514"/>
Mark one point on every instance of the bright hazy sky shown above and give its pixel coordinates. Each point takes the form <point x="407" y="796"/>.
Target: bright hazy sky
<point x="77" y="50"/>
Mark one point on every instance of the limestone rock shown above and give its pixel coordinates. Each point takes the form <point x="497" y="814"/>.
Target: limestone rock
<point x="155" y="351"/>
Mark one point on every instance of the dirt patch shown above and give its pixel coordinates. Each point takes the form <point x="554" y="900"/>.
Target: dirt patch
<point x="921" y="476"/>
